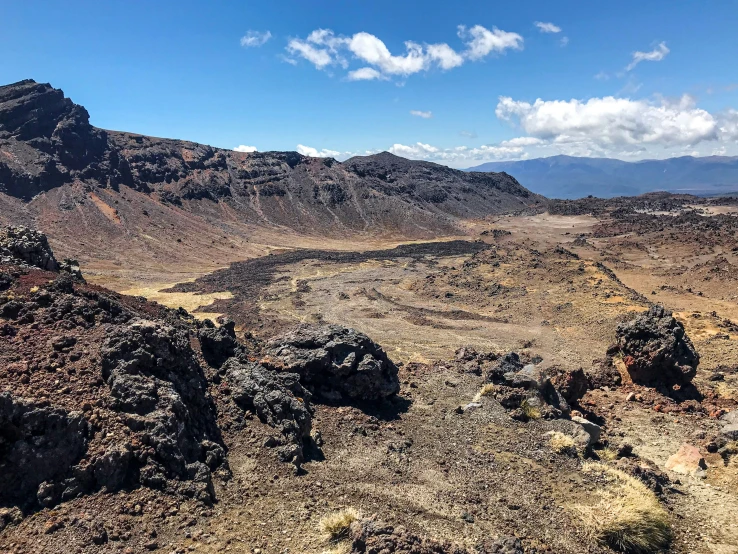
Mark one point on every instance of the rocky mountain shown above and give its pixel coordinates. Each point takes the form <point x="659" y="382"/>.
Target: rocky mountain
<point x="576" y="177"/>
<point x="58" y="170"/>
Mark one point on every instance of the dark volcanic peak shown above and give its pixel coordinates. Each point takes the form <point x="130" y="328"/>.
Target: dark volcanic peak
<point x="46" y="142"/>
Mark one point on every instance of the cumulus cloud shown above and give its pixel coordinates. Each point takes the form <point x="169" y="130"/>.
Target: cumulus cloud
<point x="323" y="48"/>
<point x="611" y="121"/>
<point x="729" y="125"/>
<point x="655" y="55"/>
<point x="446" y="56"/>
<point x="244" y="148"/>
<point x="255" y="38"/>
<point x="315" y="153"/>
<point x="457" y="155"/>
<point x="481" y="42"/>
<point x="547" y="27"/>
<point x="424" y="115"/>
<point x="365" y="74"/>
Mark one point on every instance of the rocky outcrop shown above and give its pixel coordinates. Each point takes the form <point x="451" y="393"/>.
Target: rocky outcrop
<point x="26" y="246"/>
<point x="335" y="363"/>
<point x="525" y="389"/>
<point x="38" y="445"/>
<point x="655" y="349"/>
<point x="155" y="381"/>
<point x="218" y="343"/>
<point x="107" y="393"/>
<point x="48" y="141"/>
<point x="278" y="399"/>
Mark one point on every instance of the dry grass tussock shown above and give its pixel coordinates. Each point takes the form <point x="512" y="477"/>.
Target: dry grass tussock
<point x="531" y="411"/>
<point x="335" y="526"/>
<point x="561" y="443"/>
<point x="487" y="390"/>
<point x="627" y="516"/>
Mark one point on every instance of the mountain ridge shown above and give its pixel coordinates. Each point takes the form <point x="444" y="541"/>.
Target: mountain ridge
<point x="99" y="192"/>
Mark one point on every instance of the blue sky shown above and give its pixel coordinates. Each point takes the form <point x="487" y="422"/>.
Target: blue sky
<point x="625" y="79"/>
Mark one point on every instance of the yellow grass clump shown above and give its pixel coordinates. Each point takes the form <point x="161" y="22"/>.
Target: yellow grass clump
<point x="627" y="516"/>
<point x="531" y="411"/>
<point x="561" y="443"/>
<point x="335" y="526"/>
<point x="487" y="390"/>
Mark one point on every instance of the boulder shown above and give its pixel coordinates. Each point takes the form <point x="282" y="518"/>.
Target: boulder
<point x="655" y="349"/>
<point x="26" y="246"/>
<point x="158" y="386"/>
<point x="687" y="461"/>
<point x="277" y="398"/>
<point x="218" y="343"/>
<point x="369" y="537"/>
<point x="730" y="431"/>
<point x="37" y="445"/>
<point x="592" y="429"/>
<point x="334" y="362"/>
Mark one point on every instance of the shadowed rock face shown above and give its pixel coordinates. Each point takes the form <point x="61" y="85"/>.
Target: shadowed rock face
<point x="655" y="349"/>
<point x="46" y="141"/>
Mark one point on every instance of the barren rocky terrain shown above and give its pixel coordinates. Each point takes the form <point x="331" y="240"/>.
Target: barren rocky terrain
<point x="374" y="356"/>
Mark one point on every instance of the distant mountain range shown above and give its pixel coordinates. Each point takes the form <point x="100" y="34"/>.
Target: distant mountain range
<point x="573" y="177"/>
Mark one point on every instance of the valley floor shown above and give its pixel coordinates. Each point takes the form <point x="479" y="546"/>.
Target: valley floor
<point x="548" y="286"/>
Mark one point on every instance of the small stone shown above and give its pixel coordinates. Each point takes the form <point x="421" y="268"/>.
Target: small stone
<point x="687" y="461"/>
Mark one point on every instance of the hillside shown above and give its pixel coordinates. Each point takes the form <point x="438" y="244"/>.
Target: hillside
<point x="573" y="177"/>
<point x="100" y="193"/>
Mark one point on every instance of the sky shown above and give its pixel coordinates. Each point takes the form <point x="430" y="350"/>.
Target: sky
<point x="459" y="83"/>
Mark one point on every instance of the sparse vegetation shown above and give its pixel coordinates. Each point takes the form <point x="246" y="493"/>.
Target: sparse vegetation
<point x="335" y="526"/>
<point x="530" y="411"/>
<point x="627" y="516"/>
<point x="487" y="390"/>
<point x="561" y="443"/>
<point x="607" y="454"/>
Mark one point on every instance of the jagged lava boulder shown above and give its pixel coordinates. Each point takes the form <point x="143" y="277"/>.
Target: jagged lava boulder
<point x="655" y="349"/>
<point x="26" y="246"/>
<point x="336" y="363"/>
<point x="278" y="399"/>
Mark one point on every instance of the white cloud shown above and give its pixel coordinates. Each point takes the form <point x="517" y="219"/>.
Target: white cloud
<point x="522" y="141"/>
<point x="458" y="154"/>
<point x="609" y="122"/>
<point x="481" y="42"/>
<point x="424" y="115"/>
<point x="373" y="51"/>
<point x="446" y="56"/>
<point x="244" y="148"/>
<point x="318" y="57"/>
<point x="468" y="134"/>
<point x="315" y="153"/>
<point x="655" y="55"/>
<point x="564" y="41"/>
<point x="729" y="125"/>
<point x="323" y="48"/>
<point x="365" y="74"/>
<point x="547" y="27"/>
<point x="255" y="38"/>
